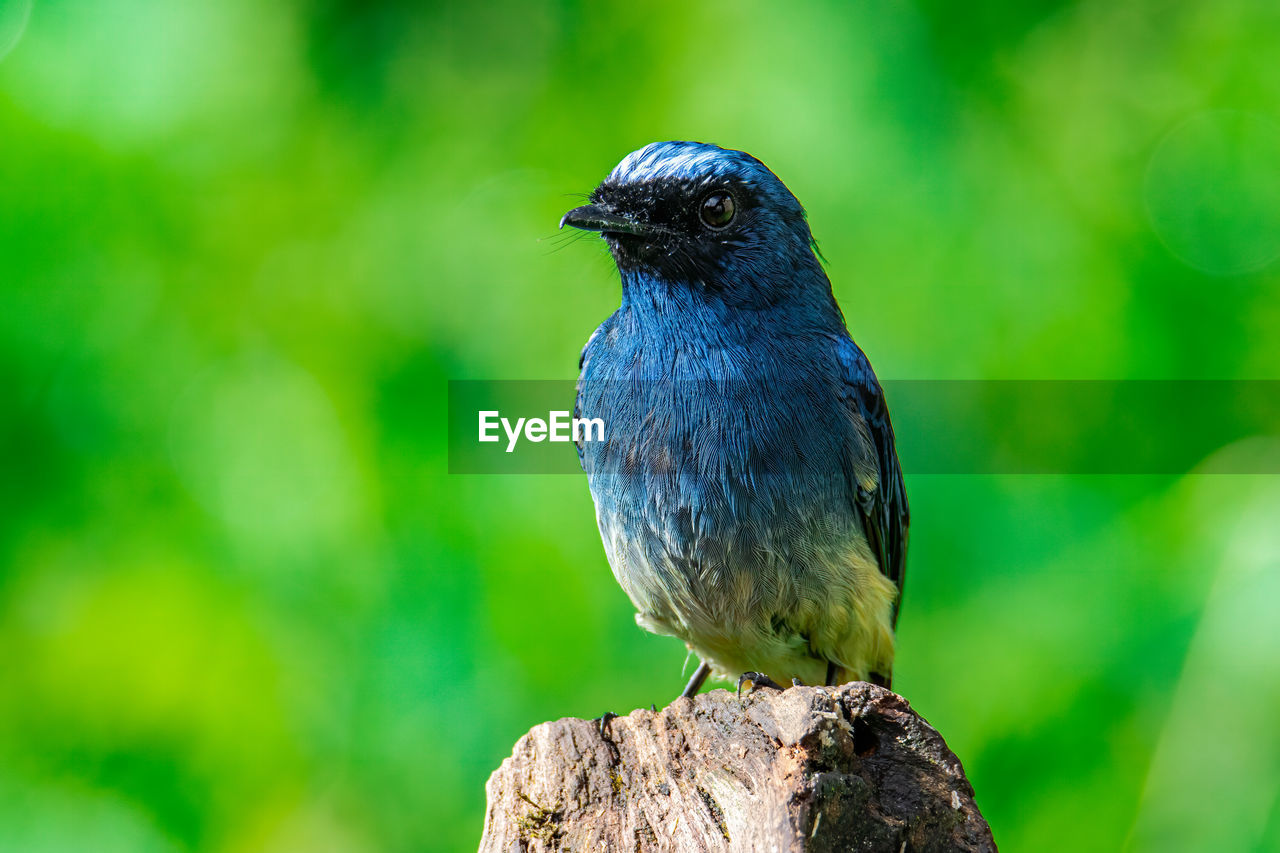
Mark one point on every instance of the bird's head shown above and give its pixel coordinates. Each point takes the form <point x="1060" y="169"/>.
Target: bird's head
<point x="689" y="213"/>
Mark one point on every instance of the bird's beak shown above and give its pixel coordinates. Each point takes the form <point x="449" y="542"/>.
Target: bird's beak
<point x="594" y="217"/>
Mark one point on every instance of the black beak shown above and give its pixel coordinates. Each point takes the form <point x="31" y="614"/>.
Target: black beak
<point x="594" y="217"/>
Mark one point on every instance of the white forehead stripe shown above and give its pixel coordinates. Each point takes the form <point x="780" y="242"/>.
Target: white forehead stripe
<point x="662" y="160"/>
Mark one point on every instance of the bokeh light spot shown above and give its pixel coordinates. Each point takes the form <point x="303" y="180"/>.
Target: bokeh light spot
<point x="14" y="15"/>
<point x="1213" y="191"/>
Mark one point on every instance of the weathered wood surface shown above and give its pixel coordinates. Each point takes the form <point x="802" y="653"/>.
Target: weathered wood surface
<point x="808" y="768"/>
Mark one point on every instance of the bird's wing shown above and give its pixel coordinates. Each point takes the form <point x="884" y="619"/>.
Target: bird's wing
<point x="880" y="494"/>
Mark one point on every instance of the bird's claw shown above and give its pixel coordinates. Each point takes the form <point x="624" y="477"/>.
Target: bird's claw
<point x="603" y="723"/>
<point x="756" y="680"/>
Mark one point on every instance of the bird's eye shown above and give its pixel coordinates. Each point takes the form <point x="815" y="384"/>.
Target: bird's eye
<point x="717" y="209"/>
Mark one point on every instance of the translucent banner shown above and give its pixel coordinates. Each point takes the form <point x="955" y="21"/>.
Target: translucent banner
<point x="942" y="426"/>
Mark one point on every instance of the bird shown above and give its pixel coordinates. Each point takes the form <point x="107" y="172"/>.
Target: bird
<point x="747" y="488"/>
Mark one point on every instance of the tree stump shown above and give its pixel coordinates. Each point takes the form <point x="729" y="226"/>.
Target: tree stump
<point x="807" y="768"/>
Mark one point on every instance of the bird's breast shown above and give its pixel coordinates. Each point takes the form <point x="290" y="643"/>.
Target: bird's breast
<point x="726" y="430"/>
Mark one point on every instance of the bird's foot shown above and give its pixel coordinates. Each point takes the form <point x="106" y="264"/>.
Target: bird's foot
<point x="833" y="674"/>
<point x="602" y="722"/>
<point x="756" y="680"/>
<point x="695" y="684"/>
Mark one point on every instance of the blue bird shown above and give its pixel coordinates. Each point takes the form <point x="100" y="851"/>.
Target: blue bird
<point x="747" y="490"/>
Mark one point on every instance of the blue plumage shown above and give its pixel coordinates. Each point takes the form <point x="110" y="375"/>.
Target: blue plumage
<point x="748" y="492"/>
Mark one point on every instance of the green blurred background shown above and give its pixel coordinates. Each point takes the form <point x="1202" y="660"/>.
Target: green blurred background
<point x="243" y="247"/>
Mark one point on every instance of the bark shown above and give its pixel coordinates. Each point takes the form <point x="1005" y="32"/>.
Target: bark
<point x="808" y="768"/>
